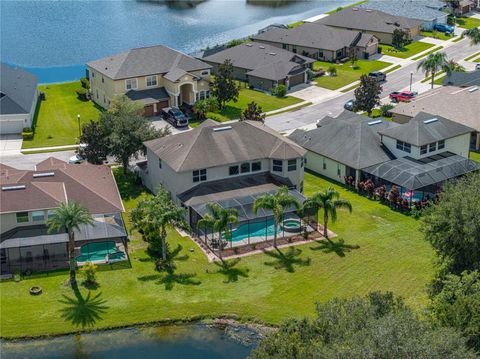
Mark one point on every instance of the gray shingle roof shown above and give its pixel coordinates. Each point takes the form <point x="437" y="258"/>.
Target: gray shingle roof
<point x="426" y="128"/>
<point x="259" y="57"/>
<point x="463" y="79"/>
<point x="315" y="36"/>
<point x="18" y="88"/>
<point x="350" y="139"/>
<point x="148" y="96"/>
<point x="145" y="61"/>
<point x="212" y="144"/>
<point x="368" y="20"/>
<point x="425" y="10"/>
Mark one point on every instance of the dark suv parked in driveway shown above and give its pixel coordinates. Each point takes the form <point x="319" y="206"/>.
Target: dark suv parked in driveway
<point x="378" y="76"/>
<point x="174" y="116"/>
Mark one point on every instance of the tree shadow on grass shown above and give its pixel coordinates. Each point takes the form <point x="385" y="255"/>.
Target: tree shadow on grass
<point x="227" y="268"/>
<point x="83" y="311"/>
<point x="339" y="248"/>
<point x="287" y="260"/>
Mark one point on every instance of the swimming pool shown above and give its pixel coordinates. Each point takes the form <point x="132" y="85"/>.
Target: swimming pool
<point x="98" y="251"/>
<point x="254" y="229"/>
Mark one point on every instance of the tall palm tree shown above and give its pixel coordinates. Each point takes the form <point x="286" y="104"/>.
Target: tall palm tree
<point x="473" y="35"/>
<point x="69" y="217"/>
<point x="328" y="200"/>
<point x="219" y="219"/>
<point x="452" y="66"/>
<point x="277" y="203"/>
<point x="433" y="63"/>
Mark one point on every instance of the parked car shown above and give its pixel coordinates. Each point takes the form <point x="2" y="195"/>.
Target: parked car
<point x="477" y="67"/>
<point x="402" y="96"/>
<point x="444" y="28"/>
<point x="349" y="105"/>
<point x="378" y="76"/>
<point x="174" y="116"/>
<point x="76" y="159"/>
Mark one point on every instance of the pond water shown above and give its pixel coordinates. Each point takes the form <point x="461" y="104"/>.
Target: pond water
<point x="189" y="341"/>
<point x="54" y="39"/>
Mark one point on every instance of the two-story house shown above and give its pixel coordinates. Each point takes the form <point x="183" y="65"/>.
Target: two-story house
<point x="28" y="198"/>
<point x="158" y="76"/>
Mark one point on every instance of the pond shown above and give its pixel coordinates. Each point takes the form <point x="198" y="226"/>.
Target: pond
<point x="182" y="341"/>
<point x="54" y="39"/>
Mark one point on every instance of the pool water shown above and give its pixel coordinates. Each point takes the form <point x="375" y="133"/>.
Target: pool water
<point x="97" y="251"/>
<point x="255" y="229"/>
<point x="291" y="223"/>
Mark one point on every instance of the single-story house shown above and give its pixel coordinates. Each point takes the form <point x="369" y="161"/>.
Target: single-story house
<point x="320" y="41"/>
<point x="430" y="12"/>
<point x="28" y="198"/>
<point x="459" y="104"/>
<point x="462" y="79"/>
<point x="263" y="66"/>
<point x="418" y="156"/>
<point x="18" y="99"/>
<point x="374" y="22"/>
<point x="157" y="76"/>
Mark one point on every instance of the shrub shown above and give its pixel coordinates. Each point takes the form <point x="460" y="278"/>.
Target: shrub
<point x="281" y="91"/>
<point x="82" y="94"/>
<point x="332" y="70"/>
<point x="235" y="42"/>
<point x="385" y="110"/>
<point x="310" y="75"/>
<point x="27" y="135"/>
<point x="85" y="83"/>
<point x="89" y="272"/>
<point x="27" y="129"/>
<point x="379" y="50"/>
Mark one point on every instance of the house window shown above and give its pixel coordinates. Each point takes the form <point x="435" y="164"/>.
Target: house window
<point x="205" y="72"/>
<point x="22" y="217"/>
<point x="292" y="165"/>
<point x="294" y="50"/>
<point x="97" y="94"/>
<point x="404" y="146"/>
<point x="441" y="144"/>
<point x="245" y="167"/>
<point x="233" y="170"/>
<point x="151" y="81"/>
<point x="103" y="80"/>
<point x="93" y="73"/>
<point x="256" y="166"/>
<point x="51" y="213"/>
<point x="284" y="46"/>
<point x="339" y="53"/>
<point x="38" y="216"/>
<point x="159" y="163"/>
<point x="339" y="172"/>
<point x="130" y="84"/>
<point x="203" y="95"/>
<point x="277" y="165"/>
<point x="200" y="175"/>
<point x="324" y="164"/>
<point x="432" y="147"/>
<point x="423" y="149"/>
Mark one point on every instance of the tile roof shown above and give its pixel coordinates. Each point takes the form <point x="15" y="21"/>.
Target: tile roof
<point x="18" y="88"/>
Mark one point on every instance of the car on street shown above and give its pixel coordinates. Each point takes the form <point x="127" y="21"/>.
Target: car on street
<point x="349" y="105"/>
<point x="444" y="28"/>
<point x="378" y="76"/>
<point x="477" y="67"/>
<point x="174" y="116"/>
<point x="402" y="96"/>
<point x="76" y="159"/>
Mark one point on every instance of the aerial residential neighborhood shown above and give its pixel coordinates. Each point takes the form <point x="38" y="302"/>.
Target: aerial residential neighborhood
<point x="287" y="180"/>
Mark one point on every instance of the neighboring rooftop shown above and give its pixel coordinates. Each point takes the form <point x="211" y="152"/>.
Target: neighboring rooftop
<point x="369" y="20"/>
<point x="454" y="103"/>
<point x="18" y="89"/>
<point x="212" y="144"/>
<point x="265" y="60"/>
<point x="145" y="61"/>
<point x="315" y="36"/>
<point x="425" y="10"/>
<point x="350" y="139"/>
<point x="462" y="79"/>
<point x="54" y="182"/>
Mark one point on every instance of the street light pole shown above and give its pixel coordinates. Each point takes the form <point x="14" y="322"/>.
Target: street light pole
<point x="411" y="79"/>
<point x="79" y="128"/>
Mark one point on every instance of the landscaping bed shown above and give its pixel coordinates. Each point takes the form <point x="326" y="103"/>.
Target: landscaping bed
<point x="407" y="51"/>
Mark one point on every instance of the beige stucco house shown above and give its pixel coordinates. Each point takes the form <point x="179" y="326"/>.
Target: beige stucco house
<point x="158" y="76"/>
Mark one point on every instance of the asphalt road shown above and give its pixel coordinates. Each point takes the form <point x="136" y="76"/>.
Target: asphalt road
<point x="396" y="80"/>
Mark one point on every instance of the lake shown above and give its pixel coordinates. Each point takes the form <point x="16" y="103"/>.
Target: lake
<point x="189" y="341"/>
<point x="54" y="39"/>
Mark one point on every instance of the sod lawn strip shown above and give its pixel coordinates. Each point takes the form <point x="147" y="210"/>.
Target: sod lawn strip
<point x="428" y="53"/>
<point x="475" y="156"/>
<point x="468" y="22"/>
<point x="436" y="35"/>
<point x="407" y="51"/>
<point x="377" y="249"/>
<point x="472" y="56"/>
<point x="345" y="73"/>
<point x="344" y="7"/>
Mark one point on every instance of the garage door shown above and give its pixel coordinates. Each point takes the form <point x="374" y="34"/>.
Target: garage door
<point x="11" y="127"/>
<point x="160" y="105"/>
<point x="148" y="111"/>
<point x="296" y="80"/>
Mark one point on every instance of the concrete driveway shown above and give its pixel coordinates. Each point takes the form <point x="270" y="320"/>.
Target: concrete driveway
<point x="312" y="93"/>
<point x="10" y="144"/>
<point x="159" y="123"/>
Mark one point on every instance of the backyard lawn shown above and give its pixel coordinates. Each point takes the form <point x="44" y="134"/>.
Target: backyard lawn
<point x="391" y="256"/>
<point x="345" y="73"/>
<point x="407" y="51"/>
<point x="56" y="117"/>
<point x="468" y="22"/>
<point x="475" y="156"/>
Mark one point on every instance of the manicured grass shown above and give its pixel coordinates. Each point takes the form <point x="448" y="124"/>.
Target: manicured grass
<point x="472" y="56"/>
<point x="407" y="51"/>
<point x="56" y="117"/>
<point x="436" y="35"/>
<point x="468" y="22"/>
<point x="296" y="108"/>
<point x="428" y="53"/>
<point x="233" y="110"/>
<point x="477" y="60"/>
<point x="345" y="73"/>
<point x="31" y="151"/>
<point x="295" y="24"/>
<point x="460" y="38"/>
<point x="344" y="7"/>
<point x="475" y="156"/>
<point x="391" y="69"/>
<point x="392" y="256"/>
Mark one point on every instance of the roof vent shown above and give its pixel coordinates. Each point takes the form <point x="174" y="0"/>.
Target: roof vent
<point x="272" y="53"/>
<point x="355" y="9"/>
<point x="376" y="122"/>
<point x="224" y="128"/>
<point x="473" y="89"/>
<point x="248" y="44"/>
<point x="261" y="47"/>
<point x="430" y="120"/>
<point x="13" y="188"/>
<point x="44" y="174"/>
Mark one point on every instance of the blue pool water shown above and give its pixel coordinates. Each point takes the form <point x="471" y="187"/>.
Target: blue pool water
<point x="255" y="229"/>
<point x="54" y="39"/>
<point x="98" y="251"/>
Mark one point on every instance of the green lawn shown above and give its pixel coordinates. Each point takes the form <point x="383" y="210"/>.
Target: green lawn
<point x="392" y="255"/>
<point x="233" y="110"/>
<point x="344" y="7"/>
<point x="56" y="118"/>
<point x="295" y="24"/>
<point x="475" y="156"/>
<point x="407" y="51"/>
<point x="345" y="73"/>
<point x="468" y="22"/>
<point x="436" y="35"/>
<point x="427" y="53"/>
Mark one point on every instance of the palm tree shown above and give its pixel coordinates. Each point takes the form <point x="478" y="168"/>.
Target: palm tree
<point x="330" y="201"/>
<point x="473" y="35"/>
<point x="452" y="66"/>
<point x="277" y="203"/>
<point x="433" y="63"/>
<point x="69" y="217"/>
<point x="219" y="220"/>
